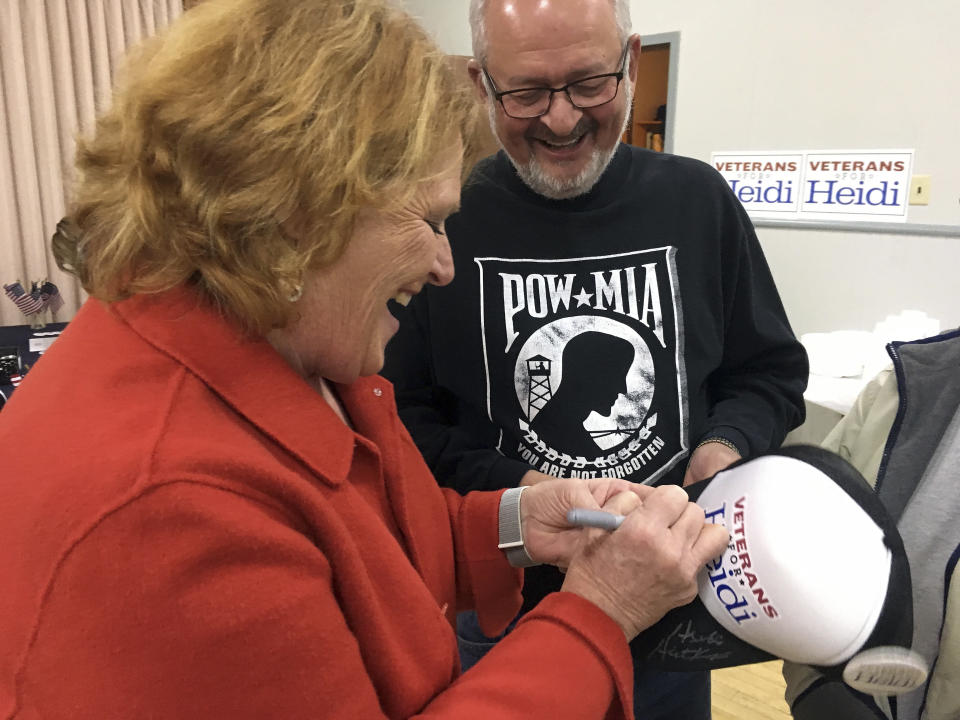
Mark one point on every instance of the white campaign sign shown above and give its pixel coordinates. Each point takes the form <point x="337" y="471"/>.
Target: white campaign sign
<point x="767" y="184"/>
<point x="846" y="185"/>
<point x="857" y="185"/>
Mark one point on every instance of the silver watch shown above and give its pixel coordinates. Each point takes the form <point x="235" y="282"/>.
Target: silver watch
<point x="511" y="532"/>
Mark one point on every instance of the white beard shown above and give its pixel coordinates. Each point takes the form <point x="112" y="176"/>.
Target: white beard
<point x="539" y="179"/>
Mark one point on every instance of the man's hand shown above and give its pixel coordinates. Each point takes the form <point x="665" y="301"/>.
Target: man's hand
<point x="547" y="536"/>
<point x="532" y="477"/>
<point x="707" y="460"/>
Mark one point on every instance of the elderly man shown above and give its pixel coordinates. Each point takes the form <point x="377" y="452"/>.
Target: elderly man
<point x="566" y="234"/>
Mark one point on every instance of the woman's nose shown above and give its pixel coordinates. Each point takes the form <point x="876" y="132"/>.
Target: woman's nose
<point x="442" y="271"/>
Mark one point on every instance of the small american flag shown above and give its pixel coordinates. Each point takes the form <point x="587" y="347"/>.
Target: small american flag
<point x="13" y="290"/>
<point x="36" y="302"/>
<point x="50" y="295"/>
<point x="28" y="303"/>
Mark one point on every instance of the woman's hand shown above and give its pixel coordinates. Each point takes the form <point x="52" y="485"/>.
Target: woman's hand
<point x="649" y="565"/>
<point x="547" y="536"/>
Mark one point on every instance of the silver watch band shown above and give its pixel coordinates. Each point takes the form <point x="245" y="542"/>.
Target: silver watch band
<point x="511" y="532"/>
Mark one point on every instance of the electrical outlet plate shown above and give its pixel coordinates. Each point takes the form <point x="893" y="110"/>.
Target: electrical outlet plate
<point x="920" y="190"/>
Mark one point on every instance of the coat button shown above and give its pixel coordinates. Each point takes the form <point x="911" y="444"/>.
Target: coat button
<point x="378" y="392"/>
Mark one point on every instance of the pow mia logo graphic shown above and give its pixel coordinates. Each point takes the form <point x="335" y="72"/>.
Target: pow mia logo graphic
<point x="584" y="364"/>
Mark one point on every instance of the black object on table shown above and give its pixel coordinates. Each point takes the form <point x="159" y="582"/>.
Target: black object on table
<point x="20" y="347"/>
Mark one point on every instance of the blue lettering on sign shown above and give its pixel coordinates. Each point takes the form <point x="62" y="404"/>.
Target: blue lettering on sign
<point x="779" y="193"/>
<point x="826" y="192"/>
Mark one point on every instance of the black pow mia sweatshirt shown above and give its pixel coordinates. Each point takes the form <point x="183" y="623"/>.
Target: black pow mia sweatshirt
<point x="602" y="335"/>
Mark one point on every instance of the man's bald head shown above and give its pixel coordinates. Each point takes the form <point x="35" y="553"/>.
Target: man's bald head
<point x="478" y="22"/>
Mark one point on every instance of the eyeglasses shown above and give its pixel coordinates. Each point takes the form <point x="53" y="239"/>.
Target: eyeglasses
<point x="589" y="92"/>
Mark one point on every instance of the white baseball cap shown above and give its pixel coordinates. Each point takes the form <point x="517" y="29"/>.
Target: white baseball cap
<point x="815" y="572"/>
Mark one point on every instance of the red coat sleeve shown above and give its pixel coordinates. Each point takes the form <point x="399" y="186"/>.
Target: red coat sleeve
<point x="566" y="658"/>
<point x="194" y="601"/>
<point x="485" y="580"/>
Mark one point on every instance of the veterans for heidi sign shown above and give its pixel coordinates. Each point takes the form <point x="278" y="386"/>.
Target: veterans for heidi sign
<point x="854" y="185"/>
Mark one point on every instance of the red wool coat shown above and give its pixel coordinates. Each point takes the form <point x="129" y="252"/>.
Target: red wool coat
<point x="188" y="531"/>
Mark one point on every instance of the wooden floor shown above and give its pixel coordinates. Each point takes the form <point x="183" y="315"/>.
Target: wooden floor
<point x="750" y="692"/>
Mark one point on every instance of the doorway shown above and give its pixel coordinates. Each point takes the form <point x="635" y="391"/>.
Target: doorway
<point x="654" y="98"/>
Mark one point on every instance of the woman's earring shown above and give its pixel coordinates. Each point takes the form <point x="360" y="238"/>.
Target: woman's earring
<point x="296" y="293"/>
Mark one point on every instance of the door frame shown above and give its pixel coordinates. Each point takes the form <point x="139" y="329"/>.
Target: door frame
<point x="672" y="40"/>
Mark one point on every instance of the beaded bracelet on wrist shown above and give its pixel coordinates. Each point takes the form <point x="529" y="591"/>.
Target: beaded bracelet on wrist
<point x="722" y="440"/>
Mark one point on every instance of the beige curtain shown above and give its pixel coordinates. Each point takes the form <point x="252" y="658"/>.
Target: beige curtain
<point x="57" y="60"/>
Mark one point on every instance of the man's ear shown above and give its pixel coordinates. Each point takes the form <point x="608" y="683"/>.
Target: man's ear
<point x="634" y="54"/>
<point x="476" y="76"/>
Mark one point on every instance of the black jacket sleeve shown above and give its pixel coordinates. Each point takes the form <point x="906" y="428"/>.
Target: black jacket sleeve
<point x="458" y="443"/>
<point x="756" y="394"/>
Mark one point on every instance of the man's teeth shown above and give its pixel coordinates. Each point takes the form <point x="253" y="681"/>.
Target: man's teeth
<point x="403" y="298"/>
<point x="563" y="144"/>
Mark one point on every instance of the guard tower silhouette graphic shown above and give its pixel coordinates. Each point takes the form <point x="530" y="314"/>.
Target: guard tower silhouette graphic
<point x="538" y="385"/>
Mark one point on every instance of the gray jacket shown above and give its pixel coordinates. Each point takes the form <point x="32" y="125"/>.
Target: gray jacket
<point x="891" y="434"/>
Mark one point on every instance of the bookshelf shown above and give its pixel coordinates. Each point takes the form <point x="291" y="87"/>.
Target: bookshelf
<point x="648" y="134"/>
<point x="650" y="97"/>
